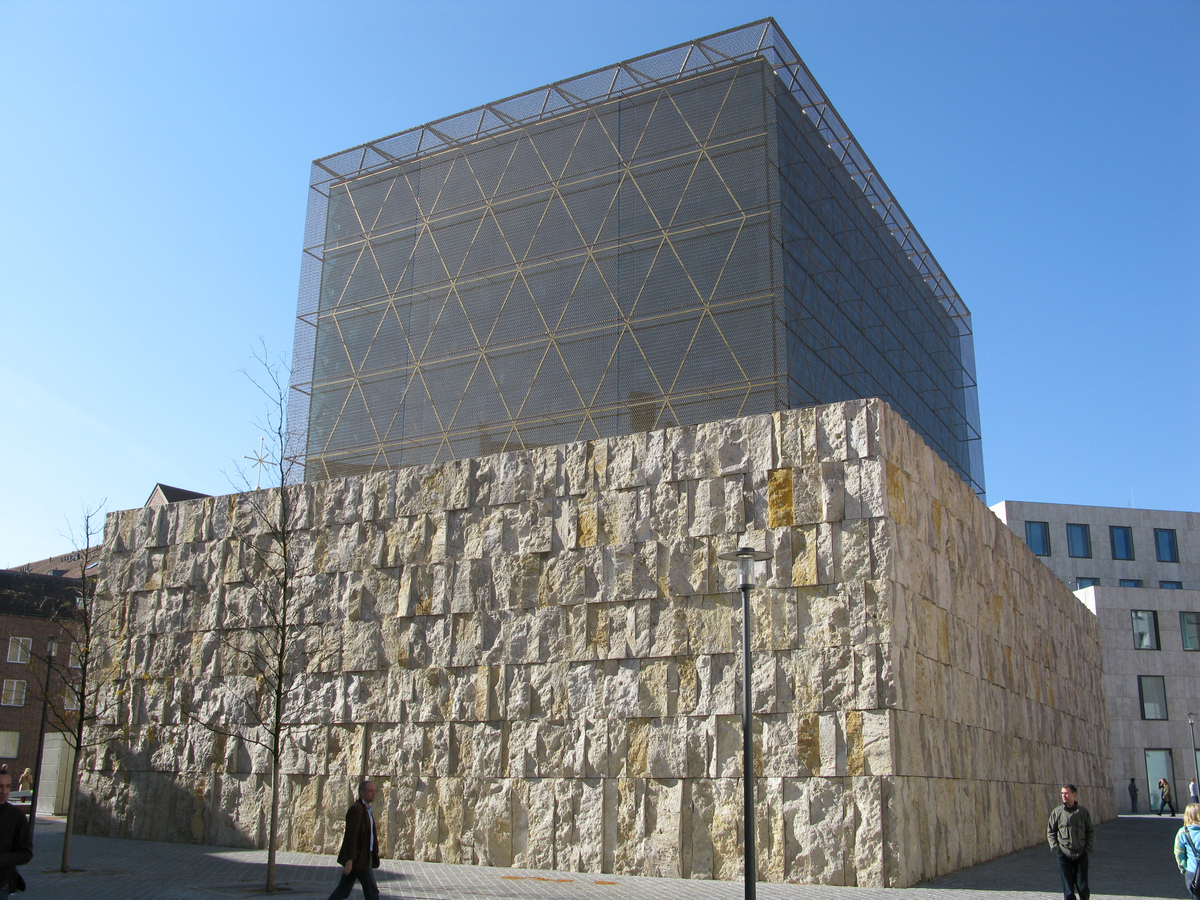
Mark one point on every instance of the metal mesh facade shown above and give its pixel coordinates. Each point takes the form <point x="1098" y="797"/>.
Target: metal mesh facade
<point x="684" y="237"/>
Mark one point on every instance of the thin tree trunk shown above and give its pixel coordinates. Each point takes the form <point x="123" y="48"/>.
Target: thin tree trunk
<point x="74" y="789"/>
<point x="274" y="816"/>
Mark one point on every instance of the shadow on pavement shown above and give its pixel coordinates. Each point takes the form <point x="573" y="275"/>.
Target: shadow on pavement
<point x="1133" y="857"/>
<point x="118" y="867"/>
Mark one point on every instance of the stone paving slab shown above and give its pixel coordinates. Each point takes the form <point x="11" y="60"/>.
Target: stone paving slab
<point x="1133" y="859"/>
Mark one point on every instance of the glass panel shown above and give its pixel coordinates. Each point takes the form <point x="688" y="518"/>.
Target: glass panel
<point x="1121" y="537"/>
<point x="1189" y="624"/>
<point x="1153" y="691"/>
<point x="1145" y="629"/>
<point x="1086" y="583"/>
<point x="9" y="742"/>
<point x="1079" y="541"/>
<point x="1171" y="585"/>
<point x="1159" y="765"/>
<point x="1165" y="545"/>
<point x="1131" y="582"/>
<point x="1037" y="536"/>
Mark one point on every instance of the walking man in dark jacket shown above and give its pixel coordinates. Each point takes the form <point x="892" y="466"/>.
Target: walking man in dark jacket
<point x="1073" y="837"/>
<point x="16" y="841"/>
<point x="359" y="855"/>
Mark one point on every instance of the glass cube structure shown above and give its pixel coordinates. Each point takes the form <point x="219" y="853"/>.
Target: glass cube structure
<point x="687" y="236"/>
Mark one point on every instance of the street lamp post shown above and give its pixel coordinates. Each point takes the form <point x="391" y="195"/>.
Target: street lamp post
<point x="1195" y="763"/>
<point x="746" y="557"/>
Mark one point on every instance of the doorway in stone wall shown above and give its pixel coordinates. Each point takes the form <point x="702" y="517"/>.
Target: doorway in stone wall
<point x="1160" y="765"/>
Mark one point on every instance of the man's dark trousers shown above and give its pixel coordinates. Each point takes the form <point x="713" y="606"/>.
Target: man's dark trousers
<point x="366" y="877"/>
<point x="1074" y="877"/>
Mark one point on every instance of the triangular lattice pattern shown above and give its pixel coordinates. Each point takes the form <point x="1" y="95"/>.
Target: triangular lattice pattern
<point x="494" y="253"/>
<point x="577" y="278"/>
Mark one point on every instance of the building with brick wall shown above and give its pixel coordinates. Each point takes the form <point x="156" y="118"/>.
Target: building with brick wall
<point x="32" y="607"/>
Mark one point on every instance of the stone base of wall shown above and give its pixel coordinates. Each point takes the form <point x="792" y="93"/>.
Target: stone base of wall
<point x="536" y="657"/>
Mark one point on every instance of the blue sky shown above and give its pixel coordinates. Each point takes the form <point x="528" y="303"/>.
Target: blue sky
<point x="157" y="155"/>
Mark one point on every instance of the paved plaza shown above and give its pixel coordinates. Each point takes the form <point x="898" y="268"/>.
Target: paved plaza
<point x="1133" y="859"/>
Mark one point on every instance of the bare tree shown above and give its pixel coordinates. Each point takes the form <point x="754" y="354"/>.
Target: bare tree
<point x="265" y="636"/>
<point x="74" y="699"/>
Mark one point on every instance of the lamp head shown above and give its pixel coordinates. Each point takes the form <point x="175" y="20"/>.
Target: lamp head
<point x="745" y="557"/>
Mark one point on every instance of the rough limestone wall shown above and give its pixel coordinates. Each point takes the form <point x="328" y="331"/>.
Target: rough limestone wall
<point x="537" y="660"/>
<point x="998" y="688"/>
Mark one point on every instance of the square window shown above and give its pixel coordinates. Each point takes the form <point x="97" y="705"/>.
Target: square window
<point x="70" y="702"/>
<point x="1082" y="583"/>
<point x="1131" y="582"/>
<point x="1037" y="536"/>
<point x="1189" y="624"/>
<point x="1145" y="629"/>
<point x="9" y="742"/>
<point x="1171" y="585"/>
<point x="1152" y="691"/>
<point x="1079" y="541"/>
<point x="1165" y="545"/>
<point x="14" y="693"/>
<point x="1121" y="539"/>
<point x="18" y="649"/>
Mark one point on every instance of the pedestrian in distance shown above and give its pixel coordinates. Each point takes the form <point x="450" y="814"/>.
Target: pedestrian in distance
<point x="1073" y="838"/>
<point x="359" y="856"/>
<point x="26" y="782"/>
<point x="1187" y="849"/>
<point x="1133" y="795"/>
<point x="1194" y="791"/>
<point x="16" y="840"/>
<point x="1164" y="793"/>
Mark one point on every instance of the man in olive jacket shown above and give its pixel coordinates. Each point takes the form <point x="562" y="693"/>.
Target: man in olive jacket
<point x="16" y="841"/>
<point x="1073" y="837"/>
<point x="360" y="848"/>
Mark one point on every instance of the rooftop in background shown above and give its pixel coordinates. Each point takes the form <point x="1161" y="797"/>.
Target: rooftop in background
<point x="26" y="594"/>
<point x="65" y="565"/>
<point x="686" y="236"/>
<point x="164" y="494"/>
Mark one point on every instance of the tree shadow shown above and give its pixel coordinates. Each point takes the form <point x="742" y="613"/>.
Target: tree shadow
<point x="102" y="863"/>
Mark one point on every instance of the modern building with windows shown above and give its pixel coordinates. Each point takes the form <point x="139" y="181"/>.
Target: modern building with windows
<point x="1138" y="570"/>
<point x="683" y="237"/>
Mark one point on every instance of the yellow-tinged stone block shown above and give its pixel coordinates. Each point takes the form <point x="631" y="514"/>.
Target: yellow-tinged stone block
<point x="854" y="743"/>
<point x="779" y="498"/>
